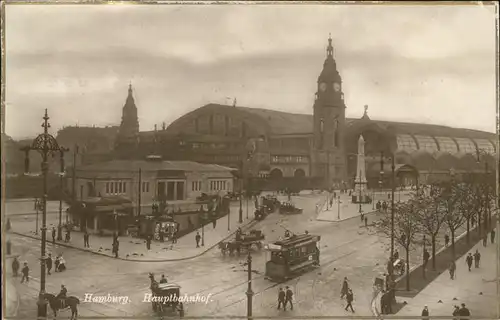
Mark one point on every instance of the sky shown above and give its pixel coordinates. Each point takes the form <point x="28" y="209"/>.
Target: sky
<point x="432" y="64"/>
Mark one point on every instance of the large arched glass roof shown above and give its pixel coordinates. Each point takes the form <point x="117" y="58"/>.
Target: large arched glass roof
<point x="426" y="143"/>
<point x="485" y="145"/>
<point x="466" y="145"/>
<point x="406" y="143"/>
<point x="446" y="144"/>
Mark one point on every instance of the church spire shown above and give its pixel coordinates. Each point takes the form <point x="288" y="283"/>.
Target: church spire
<point x="329" y="49"/>
<point x="128" y="133"/>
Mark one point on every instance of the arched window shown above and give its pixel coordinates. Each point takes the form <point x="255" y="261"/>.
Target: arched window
<point x="426" y="143"/>
<point x="406" y="143"/>
<point x="466" y="145"/>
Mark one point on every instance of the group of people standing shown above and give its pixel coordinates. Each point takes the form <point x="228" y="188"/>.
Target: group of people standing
<point x="59" y="266"/>
<point x="458" y="312"/>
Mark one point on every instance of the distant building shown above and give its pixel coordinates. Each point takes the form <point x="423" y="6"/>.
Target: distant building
<point x="178" y="183"/>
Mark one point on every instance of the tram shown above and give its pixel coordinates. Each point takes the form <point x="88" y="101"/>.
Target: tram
<point x="292" y="256"/>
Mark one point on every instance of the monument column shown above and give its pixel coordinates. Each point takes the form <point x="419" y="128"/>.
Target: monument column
<point x="360" y="180"/>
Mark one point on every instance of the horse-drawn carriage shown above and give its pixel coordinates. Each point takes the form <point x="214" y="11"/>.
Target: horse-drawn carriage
<point x="165" y="297"/>
<point x="289" y="208"/>
<point x="260" y="213"/>
<point x="243" y="241"/>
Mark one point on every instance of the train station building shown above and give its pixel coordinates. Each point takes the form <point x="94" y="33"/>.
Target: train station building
<point x="318" y="149"/>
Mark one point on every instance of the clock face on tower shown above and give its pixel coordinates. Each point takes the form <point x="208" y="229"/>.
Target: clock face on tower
<point x="336" y="87"/>
<point x="322" y="86"/>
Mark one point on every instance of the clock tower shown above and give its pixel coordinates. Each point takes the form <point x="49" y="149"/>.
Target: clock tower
<point x="328" y="158"/>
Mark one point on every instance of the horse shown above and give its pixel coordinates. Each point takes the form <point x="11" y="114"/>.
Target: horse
<point x="69" y="302"/>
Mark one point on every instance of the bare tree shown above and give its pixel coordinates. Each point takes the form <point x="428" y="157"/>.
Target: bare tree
<point x="430" y="216"/>
<point x="449" y="202"/>
<point x="468" y="202"/>
<point x="406" y="228"/>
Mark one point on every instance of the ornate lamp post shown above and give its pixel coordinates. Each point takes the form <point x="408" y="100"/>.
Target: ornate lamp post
<point x="249" y="292"/>
<point x="242" y="167"/>
<point x="45" y="144"/>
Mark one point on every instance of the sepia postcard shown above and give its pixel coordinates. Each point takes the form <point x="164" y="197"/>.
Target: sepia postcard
<point x="250" y="160"/>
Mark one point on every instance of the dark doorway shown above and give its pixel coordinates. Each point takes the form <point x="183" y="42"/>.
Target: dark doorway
<point x="180" y="190"/>
<point x="276" y="174"/>
<point x="299" y="173"/>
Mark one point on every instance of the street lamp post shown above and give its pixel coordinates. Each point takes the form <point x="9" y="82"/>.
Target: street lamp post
<point x="249" y="289"/>
<point x="45" y="144"/>
<point x="240" y="213"/>
<point x="37" y="208"/>
<point x="62" y="150"/>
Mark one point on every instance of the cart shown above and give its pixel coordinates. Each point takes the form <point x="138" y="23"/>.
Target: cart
<point x="166" y="298"/>
<point x="289" y="208"/>
<point x="246" y="241"/>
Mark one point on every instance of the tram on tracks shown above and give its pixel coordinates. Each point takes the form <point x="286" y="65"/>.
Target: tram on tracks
<point x="292" y="256"/>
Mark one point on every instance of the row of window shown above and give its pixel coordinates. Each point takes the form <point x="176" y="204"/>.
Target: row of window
<point x="444" y="144"/>
<point x="196" y="185"/>
<point x="145" y="187"/>
<point x="298" y="159"/>
<point x="218" y="185"/>
<point x="116" y="187"/>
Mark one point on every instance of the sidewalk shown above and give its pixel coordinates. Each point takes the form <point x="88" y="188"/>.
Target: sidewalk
<point x="477" y="289"/>
<point x="350" y="210"/>
<point x="134" y="249"/>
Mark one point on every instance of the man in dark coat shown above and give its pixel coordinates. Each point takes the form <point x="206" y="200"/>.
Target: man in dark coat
<point x="344" y="289"/>
<point x="26" y="273"/>
<point x="148" y="242"/>
<point x="349" y="299"/>
<point x="197" y="238"/>
<point x="464" y="312"/>
<point x="456" y="313"/>
<point x="288" y="298"/>
<point x="477" y="258"/>
<point x="15" y="267"/>
<point x="86" y="238"/>
<point x="426" y="257"/>
<point x="446" y="240"/>
<point x="281" y="298"/>
<point x="48" y="263"/>
<point x="492" y="235"/>
<point x="53" y="235"/>
<point x="469" y="260"/>
<point x="116" y="247"/>
<point x="425" y="313"/>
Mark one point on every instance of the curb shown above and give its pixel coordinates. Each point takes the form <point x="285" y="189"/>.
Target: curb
<point x="354" y="217"/>
<point x="247" y="225"/>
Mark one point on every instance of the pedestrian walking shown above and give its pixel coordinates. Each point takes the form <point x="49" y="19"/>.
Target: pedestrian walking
<point x="68" y="235"/>
<point x="485" y="240"/>
<point x="452" y="268"/>
<point x="197" y="238"/>
<point x="362" y="216"/>
<point x="53" y="235"/>
<point x="148" y="242"/>
<point x="426" y="257"/>
<point x="26" y="273"/>
<point x="288" y="298"/>
<point x="477" y="258"/>
<point x="464" y="312"/>
<point x="492" y="235"/>
<point x="86" y="239"/>
<point x="48" y="263"/>
<point x="56" y="263"/>
<point x="469" y="260"/>
<point x="116" y="247"/>
<point x="345" y="288"/>
<point x="425" y="313"/>
<point x="349" y="299"/>
<point x="366" y="222"/>
<point x="446" y="240"/>
<point x="456" y="313"/>
<point x="281" y="298"/>
<point x="15" y="267"/>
